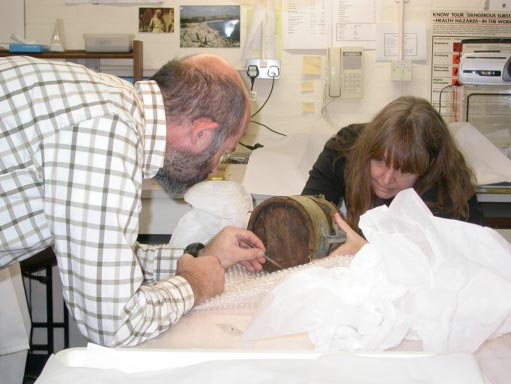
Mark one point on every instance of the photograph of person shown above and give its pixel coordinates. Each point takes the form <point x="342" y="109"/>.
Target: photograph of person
<point x="156" y="20"/>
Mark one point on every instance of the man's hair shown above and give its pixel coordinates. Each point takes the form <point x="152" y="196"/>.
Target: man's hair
<point x="411" y="136"/>
<point x="194" y="89"/>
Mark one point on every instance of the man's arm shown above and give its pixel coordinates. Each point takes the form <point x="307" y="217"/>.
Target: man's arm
<point x="92" y="183"/>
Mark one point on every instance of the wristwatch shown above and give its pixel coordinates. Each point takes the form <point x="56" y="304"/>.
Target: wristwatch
<point x="194" y="248"/>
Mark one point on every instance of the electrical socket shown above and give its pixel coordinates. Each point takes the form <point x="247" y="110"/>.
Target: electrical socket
<point x="401" y="70"/>
<point x="268" y="68"/>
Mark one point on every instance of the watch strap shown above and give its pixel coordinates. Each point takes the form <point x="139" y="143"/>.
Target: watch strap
<point x="194" y="248"/>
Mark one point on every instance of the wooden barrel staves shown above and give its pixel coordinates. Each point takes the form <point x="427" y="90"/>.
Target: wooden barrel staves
<point x="296" y="229"/>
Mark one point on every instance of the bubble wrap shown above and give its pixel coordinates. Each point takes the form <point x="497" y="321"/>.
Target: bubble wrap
<point x="247" y="289"/>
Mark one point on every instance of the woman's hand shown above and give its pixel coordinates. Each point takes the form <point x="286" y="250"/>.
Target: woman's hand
<point x="354" y="242"/>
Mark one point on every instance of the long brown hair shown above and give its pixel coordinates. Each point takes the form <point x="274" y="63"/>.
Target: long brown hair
<point x="410" y="136"/>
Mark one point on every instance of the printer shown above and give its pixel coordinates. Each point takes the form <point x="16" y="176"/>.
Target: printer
<point x="485" y="61"/>
<point x="485" y="68"/>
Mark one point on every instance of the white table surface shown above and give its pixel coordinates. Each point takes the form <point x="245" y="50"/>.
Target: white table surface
<point x="223" y="329"/>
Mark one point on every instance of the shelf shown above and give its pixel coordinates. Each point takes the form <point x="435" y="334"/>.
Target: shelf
<point x="136" y="54"/>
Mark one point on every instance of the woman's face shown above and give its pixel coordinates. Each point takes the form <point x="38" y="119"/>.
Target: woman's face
<point x="386" y="181"/>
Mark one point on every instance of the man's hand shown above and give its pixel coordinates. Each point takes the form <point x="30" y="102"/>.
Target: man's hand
<point x="204" y="274"/>
<point x="354" y="242"/>
<point x="235" y="245"/>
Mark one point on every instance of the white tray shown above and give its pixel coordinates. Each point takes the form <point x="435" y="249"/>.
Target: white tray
<point x="103" y="365"/>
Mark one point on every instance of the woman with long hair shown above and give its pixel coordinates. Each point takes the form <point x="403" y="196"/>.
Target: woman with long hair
<point x="406" y="145"/>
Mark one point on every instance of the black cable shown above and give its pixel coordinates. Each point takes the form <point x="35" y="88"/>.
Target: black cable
<point x="267" y="98"/>
<point x="252" y="72"/>
<point x="440" y="97"/>
<point x="268" y="128"/>
<point x="251" y="147"/>
<point x="257" y="145"/>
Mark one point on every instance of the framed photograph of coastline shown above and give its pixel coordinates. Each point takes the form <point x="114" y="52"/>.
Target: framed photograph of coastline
<point x="209" y="26"/>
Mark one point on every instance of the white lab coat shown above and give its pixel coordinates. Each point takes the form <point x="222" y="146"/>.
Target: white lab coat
<point x="14" y="325"/>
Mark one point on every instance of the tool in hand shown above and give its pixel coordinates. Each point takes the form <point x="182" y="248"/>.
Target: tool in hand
<point x="266" y="256"/>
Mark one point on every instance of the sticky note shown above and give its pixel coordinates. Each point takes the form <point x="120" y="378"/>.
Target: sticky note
<point x="307" y="87"/>
<point x="311" y="65"/>
<point x="308" y="107"/>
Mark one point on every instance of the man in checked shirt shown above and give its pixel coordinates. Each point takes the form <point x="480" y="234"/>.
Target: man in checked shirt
<point x="75" y="146"/>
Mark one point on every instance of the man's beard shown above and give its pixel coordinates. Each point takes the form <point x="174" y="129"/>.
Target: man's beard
<point x="181" y="170"/>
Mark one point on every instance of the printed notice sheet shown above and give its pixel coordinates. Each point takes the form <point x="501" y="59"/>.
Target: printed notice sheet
<point x="388" y="42"/>
<point x="305" y="24"/>
<point x="449" y="28"/>
<point x="319" y="24"/>
<point x="354" y="23"/>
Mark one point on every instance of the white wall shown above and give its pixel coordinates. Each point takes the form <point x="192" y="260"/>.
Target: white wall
<point x="12" y="20"/>
<point x="284" y="111"/>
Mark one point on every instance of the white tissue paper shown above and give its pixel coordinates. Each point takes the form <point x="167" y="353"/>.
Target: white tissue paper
<point x="489" y="164"/>
<point x="444" y="282"/>
<point x="215" y="205"/>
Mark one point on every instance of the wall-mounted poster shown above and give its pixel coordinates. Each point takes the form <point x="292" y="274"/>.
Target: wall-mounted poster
<point x="156" y="20"/>
<point x="210" y="26"/>
<point x="448" y="29"/>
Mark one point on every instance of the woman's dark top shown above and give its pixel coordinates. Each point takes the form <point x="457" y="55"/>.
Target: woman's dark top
<point x="327" y="174"/>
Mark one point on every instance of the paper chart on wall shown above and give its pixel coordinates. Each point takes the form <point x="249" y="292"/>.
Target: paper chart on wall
<point x="449" y="28"/>
<point x="354" y="23"/>
<point x="306" y="24"/>
<point x="414" y="40"/>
